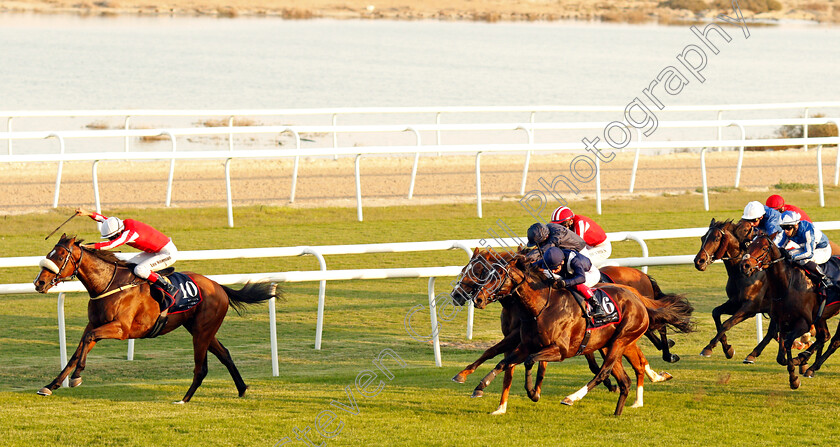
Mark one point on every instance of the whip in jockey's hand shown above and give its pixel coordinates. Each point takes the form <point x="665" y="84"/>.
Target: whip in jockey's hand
<point x="158" y="249"/>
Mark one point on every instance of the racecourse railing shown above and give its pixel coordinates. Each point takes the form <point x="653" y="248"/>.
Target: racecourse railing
<point x="477" y="149"/>
<point x="322" y="275"/>
<point x="438" y="112"/>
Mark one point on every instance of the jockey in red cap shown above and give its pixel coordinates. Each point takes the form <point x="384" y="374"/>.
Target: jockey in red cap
<point x="158" y="251"/>
<point x="778" y="203"/>
<point x="598" y="247"/>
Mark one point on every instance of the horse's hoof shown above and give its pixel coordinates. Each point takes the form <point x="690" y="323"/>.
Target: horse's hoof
<point x="729" y="352"/>
<point x="535" y="397"/>
<point x="501" y="410"/>
<point x="75" y="382"/>
<point x="459" y="378"/>
<point x="636" y="405"/>
<point x="666" y="376"/>
<point x="567" y="401"/>
<point x="477" y="393"/>
<point x="674" y="359"/>
<point x="809" y="373"/>
<point x="180" y="402"/>
<point x="794" y="384"/>
<point x="671" y="343"/>
<point x="706" y="352"/>
<point x="749" y="360"/>
<point x="45" y="391"/>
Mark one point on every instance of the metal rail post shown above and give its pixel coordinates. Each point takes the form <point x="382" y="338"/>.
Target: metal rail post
<point x="598" y="185"/>
<point x="470" y="305"/>
<point x="703" y="174"/>
<point x="297" y="163"/>
<point x="635" y="162"/>
<point x="740" y="154"/>
<point x="435" y="328"/>
<point x="478" y="182"/>
<point x="530" y="132"/>
<point x="416" y="161"/>
<point x="126" y="125"/>
<point x="62" y="338"/>
<point x="60" y="167"/>
<point x="228" y="193"/>
<point x="820" y="176"/>
<point x="171" y="168"/>
<point x="358" y="189"/>
<point x="322" y="292"/>
<point x="95" y="176"/>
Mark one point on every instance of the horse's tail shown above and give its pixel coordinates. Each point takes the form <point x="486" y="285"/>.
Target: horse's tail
<point x="657" y="292"/>
<point x="252" y="293"/>
<point x="669" y="309"/>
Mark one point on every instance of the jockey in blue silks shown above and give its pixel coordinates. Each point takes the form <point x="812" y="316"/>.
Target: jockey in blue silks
<point x="809" y="247"/>
<point x="573" y="270"/>
<point x="763" y="217"/>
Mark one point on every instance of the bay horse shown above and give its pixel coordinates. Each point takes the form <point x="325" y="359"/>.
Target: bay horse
<point x="794" y="304"/>
<point x="552" y="327"/>
<point x="746" y="294"/>
<point x="121" y="307"/>
<point x="635" y="278"/>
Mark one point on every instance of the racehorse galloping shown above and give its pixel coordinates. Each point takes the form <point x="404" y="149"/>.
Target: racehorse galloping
<point x="554" y="328"/>
<point x="746" y="293"/>
<point x="510" y="317"/>
<point x="794" y="302"/>
<point x="116" y="312"/>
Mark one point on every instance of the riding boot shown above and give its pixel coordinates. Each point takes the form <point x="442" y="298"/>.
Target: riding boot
<point x="817" y="271"/>
<point x="169" y="288"/>
<point x="596" y="310"/>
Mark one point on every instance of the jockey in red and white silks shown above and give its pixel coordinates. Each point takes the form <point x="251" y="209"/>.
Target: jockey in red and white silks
<point x="598" y="247"/>
<point x="158" y="250"/>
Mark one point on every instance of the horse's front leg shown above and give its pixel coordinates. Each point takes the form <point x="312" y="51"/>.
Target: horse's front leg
<point x="595" y="367"/>
<point x="506" y="345"/>
<point x="716" y="313"/>
<point x="772" y="329"/>
<point x="798" y="329"/>
<point x="517" y="356"/>
<point x="835" y="343"/>
<point x="110" y="330"/>
<point x="503" y="401"/>
<point x="534" y="390"/>
<point x="740" y="315"/>
<point x="613" y="355"/>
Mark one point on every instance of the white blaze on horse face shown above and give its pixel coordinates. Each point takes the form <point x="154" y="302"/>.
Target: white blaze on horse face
<point x="49" y="265"/>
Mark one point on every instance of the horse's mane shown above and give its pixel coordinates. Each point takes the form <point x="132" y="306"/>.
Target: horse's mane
<point x="104" y="255"/>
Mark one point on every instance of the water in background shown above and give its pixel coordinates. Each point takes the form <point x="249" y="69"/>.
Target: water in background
<point x="72" y="62"/>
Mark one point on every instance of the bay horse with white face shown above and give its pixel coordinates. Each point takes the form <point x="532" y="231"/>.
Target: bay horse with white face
<point x="121" y="307"/>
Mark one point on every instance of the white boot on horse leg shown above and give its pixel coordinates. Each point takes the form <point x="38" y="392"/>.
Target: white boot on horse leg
<point x="657" y="377"/>
<point x="578" y="395"/>
<point x="640" y="398"/>
<point x="501" y="410"/>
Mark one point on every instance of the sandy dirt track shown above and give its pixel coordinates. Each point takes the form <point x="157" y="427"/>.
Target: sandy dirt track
<point x="26" y="188"/>
<point x="634" y="11"/>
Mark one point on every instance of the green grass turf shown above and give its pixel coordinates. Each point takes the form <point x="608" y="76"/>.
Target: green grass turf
<point x="710" y="401"/>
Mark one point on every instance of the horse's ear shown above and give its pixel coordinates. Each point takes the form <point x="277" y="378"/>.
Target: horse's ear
<point x="712" y="223"/>
<point x="475" y="251"/>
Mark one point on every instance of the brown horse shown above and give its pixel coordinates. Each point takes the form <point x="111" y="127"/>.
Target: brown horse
<point x="553" y="329"/>
<point x="121" y="307"/>
<point x="510" y="318"/>
<point x="794" y="303"/>
<point x="747" y="294"/>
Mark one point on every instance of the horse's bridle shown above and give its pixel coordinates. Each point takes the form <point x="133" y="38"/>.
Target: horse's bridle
<point x="718" y="254"/>
<point x="48" y="264"/>
<point x="765" y="253"/>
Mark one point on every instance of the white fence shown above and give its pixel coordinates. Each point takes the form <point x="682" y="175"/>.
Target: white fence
<point x="477" y="149"/>
<point x="324" y="275"/>
<point x="438" y="112"/>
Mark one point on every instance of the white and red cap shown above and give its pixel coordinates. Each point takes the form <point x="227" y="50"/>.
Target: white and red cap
<point x="561" y="214"/>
